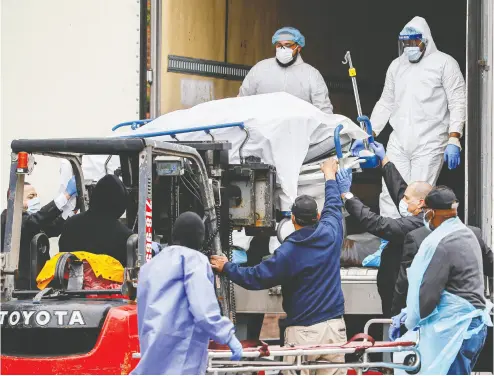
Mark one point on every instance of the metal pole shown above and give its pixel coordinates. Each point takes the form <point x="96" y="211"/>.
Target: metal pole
<point x="353" y="75"/>
<point x="154" y="73"/>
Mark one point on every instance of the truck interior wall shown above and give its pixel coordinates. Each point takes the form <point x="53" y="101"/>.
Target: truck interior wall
<point x="202" y="30"/>
<point x="193" y="29"/>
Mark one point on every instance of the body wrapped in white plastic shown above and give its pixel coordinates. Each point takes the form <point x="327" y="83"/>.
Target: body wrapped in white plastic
<point x="282" y="129"/>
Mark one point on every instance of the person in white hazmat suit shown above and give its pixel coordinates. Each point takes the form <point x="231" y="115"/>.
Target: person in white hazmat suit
<point x="288" y="72"/>
<point x="424" y="100"/>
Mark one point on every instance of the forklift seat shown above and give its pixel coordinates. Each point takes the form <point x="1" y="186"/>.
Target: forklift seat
<point x="39" y="253"/>
<point x="66" y="270"/>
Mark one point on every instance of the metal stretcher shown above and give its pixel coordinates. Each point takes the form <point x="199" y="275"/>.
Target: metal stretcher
<point x="262" y="358"/>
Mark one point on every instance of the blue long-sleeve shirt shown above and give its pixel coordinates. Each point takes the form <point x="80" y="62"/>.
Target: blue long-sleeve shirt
<point x="306" y="265"/>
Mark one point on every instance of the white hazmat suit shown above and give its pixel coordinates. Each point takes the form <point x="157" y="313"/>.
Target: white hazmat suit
<point x="299" y="79"/>
<point x="423" y="102"/>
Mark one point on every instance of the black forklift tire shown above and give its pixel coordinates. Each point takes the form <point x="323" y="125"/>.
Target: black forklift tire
<point x="410" y="360"/>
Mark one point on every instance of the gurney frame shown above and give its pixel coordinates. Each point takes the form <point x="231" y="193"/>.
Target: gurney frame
<point x="257" y="359"/>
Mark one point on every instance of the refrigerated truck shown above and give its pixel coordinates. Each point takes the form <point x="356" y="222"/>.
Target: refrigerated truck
<point x="202" y="51"/>
<point x="77" y="68"/>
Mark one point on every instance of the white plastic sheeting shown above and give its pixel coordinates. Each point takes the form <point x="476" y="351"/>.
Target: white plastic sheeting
<point x="281" y="128"/>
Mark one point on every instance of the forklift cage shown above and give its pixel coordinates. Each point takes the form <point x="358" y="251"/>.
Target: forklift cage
<point x="73" y="150"/>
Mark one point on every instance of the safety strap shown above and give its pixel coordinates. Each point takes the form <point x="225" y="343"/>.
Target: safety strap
<point x="258" y="345"/>
<point x="262" y="347"/>
<point x="361" y="336"/>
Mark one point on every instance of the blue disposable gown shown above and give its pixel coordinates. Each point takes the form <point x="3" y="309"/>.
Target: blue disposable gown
<point x="444" y="330"/>
<point x="178" y="313"/>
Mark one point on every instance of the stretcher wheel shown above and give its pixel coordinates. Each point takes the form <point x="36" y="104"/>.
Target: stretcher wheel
<point x="411" y="360"/>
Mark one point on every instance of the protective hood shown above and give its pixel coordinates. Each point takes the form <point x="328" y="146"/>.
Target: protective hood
<point x="421" y="25"/>
<point x="109" y="197"/>
<point x="189" y="231"/>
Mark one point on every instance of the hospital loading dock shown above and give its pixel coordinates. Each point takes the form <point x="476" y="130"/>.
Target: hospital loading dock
<point x="202" y="49"/>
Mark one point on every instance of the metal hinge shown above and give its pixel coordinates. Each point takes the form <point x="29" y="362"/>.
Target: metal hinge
<point x="149" y="76"/>
<point x="483" y="65"/>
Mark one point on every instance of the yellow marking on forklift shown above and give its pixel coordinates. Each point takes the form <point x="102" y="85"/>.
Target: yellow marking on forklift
<point x="352" y="72"/>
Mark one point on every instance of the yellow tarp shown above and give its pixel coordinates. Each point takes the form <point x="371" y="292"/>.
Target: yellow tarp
<point x="103" y="266"/>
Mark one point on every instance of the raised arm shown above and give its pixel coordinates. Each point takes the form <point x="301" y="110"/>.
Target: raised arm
<point x="394" y="182"/>
<point x="331" y="213"/>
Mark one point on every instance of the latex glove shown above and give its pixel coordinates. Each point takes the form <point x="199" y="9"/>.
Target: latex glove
<point x="239" y="256"/>
<point x="156" y="247"/>
<point x="378" y="149"/>
<point x="236" y="348"/>
<point x="357" y="147"/>
<point x="374" y="260"/>
<point x="393" y="332"/>
<point x="344" y="180"/>
<point x="394" y="328"/>
<point x="71" y="188"/>
<point x="452" y="156"/>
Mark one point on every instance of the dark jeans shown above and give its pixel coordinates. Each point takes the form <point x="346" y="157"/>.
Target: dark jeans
<point x="469" y="351"/>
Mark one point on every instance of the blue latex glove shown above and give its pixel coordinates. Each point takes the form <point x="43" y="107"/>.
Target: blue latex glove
<point x="71" y="188"/>
<point x="372" y="261"/>
<point x="156" y="247"/>
<point x="236" y="348"/>
<point x="393" y="333"/>
<point x="452" y="156"/>
<point x="239" y="256"/>
<point x="344" y="180"/>
<point x="378" y="149"/>
<point x="394" y="328"/>
<point x="357" y="147"/>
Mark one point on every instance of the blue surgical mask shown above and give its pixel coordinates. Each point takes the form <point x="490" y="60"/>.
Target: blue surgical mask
<point x="33" y="205"/>
<point x="413" y="53"/>
<point x="403" y="207"/>
<point x="427" y="223"/>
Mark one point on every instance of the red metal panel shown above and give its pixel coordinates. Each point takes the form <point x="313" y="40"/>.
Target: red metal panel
<point x="112" y="354"/>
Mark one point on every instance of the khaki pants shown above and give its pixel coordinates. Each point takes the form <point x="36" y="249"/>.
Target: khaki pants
<point x="327" y="332"/>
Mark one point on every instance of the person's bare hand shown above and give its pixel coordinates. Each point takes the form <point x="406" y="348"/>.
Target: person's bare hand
<point x="329" y="167"/>
<point x="218" y="263"/>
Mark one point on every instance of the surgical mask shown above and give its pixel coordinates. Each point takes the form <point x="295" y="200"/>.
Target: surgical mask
<point x="33" y="205"/>
<point x="413" y="53"/>
<point x="427" y="223"/>
<point x="403" y="207"/>
<point x="284" y="55"/>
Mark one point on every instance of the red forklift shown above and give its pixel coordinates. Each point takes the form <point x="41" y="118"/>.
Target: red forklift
<point x="66" y="329"/>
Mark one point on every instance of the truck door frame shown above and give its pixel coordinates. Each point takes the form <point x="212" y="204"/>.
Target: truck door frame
<point x="473" y="168"/>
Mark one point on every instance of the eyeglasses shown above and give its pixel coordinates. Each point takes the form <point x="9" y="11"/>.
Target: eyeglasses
<point x="290" y="45"/>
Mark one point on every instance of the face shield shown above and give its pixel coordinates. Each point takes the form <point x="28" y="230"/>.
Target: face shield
<point x="404" y="41"/>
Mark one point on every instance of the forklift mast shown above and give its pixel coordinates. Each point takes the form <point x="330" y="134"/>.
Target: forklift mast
<point x="164" y="179"/>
